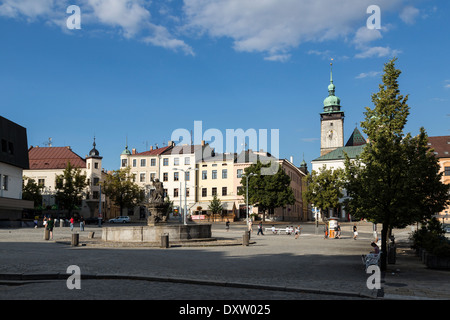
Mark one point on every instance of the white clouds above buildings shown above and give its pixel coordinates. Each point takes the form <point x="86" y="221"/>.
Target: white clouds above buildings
<point x="270" y="27"/>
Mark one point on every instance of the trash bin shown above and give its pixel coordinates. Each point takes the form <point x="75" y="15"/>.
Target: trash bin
<point x="392" y="253"/>
<point x="75" y="239"/>
<point x="165" y="240"/>
<point x="246" y="239"/>
<point x="46" y="234"/>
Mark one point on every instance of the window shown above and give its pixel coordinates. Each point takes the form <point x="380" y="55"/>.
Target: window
<point x="175" y="193"/>
<point x="143" y="162"/>
<point x="96" y="181"/>
<point x="187" y="192"/>
<point x="165" y="162"/>
<point x="214" y="174"/>
<point x="187" y="176"/>
<point x="95" y="195"/>
<point x="153" y="162"/>
<point x="134" y="163"/>
<point x="96" y="165"/>
<point x="142" y="177"/>
<point x="124" y="163"/>
<point x="5" y="183"/>
<point x="204" y="175"/>
<point x="41" y="182"/>
<point x="187" y="160"/>
<point x="204" y="192"/>
<point x="239" y="173"/>
<point x="165" y="176"/>
<point x="446" y="171"/>
<point x="224" y="191"/>
<point x="224" y="173"/>
<point x="214" y="191"/>
<point x="152" y="176"/>
<point x="176" y="176"/>
<point x="239" y="189"/>
<point x="176" y="161"/>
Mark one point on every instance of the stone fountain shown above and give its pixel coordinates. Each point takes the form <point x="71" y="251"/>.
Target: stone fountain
<point x="158" y="225"/>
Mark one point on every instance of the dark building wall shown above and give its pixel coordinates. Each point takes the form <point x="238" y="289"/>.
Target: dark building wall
<point x="13" y="144"/>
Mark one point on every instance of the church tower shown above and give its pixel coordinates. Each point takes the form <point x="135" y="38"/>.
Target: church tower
<point x="331" y="121"/>
<point x="94" y="171"/>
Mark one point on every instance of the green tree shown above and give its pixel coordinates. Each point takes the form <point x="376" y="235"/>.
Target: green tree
<point x="120" y="188"/>
<point x="324" y="189"/>
<point x="396" y="179"/>
<point x="69" y="187"/>
<point x="32" y="191"/>
<point x="266" y="191"/>
<point x="215" y="206"/>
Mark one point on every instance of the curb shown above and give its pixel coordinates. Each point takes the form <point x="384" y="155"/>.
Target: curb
<point x="16" y="278"/>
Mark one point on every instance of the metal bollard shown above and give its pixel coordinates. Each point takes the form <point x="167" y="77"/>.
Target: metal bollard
<point x="46" y="234"/>
<point x="75" y="239"/>
<point x="246" y="239"/>
<point x="165" y="240"/>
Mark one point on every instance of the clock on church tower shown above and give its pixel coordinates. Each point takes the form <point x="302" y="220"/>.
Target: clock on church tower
<point x="331" y="121"/>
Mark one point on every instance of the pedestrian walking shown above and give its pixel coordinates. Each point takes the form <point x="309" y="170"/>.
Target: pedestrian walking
<point x="227" y="225"/>
<point x="355" y="232"/>
<point x="338" y="231"/>
<point x="260" y="229"/>
<point x="81" y="223"/>
<point x="71" y="223"/>
<point x="250" y="226"/>
<point x="50" y="225"/>
<point x="297" y="232"/>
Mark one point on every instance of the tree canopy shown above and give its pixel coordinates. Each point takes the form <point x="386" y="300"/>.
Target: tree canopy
<point x="69" y="187"/>
<point x="267" y="192"/>
<point x="396" y="180"/>
<point x="121" y="189"/>
<point x="324" y="188"/>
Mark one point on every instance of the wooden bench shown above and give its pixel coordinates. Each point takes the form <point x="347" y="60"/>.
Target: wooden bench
<point x="280" y="230"/>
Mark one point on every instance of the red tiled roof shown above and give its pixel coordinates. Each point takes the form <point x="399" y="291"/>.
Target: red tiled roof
<point x="440" y="145"/>
<point x="54" y="158"/>
<point x="153" y="152"/>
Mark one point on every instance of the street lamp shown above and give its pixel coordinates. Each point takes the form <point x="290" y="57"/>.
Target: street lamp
<point x="185" y="190"/>
<point x="247" y="176"/>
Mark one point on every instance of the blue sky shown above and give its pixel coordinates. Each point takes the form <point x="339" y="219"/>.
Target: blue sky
<point x="139" y="70"/>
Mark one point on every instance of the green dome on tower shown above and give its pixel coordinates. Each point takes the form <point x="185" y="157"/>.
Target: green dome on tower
<point x="331" y="103"/>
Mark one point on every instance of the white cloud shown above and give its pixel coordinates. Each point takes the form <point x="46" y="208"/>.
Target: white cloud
<point x="409" y="15"/>
<point x="161" y="37"/>
<point x="369" y="74"/>
<point x="365" y="35"/>
<point x="377" y="52"/>
<point x="130" y="15"/>
<point x="278" y="57"/>
<point x="27" y="8"/>
<point x="276" y="26"/>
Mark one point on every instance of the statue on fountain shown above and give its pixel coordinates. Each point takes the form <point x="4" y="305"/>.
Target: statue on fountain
<point x="157" y="206"/>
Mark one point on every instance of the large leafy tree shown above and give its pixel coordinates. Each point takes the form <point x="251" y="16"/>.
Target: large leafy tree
<point x="69" y="187"/>
<point x="266" y="191"/>
<point x="324" y="188"/>
<point x="32" y="191"/>
<point x="120" y="188"/>
<point x="396" y="180"/>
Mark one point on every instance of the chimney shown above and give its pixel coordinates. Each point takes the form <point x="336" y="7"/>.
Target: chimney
<point x="151" y="148"/>
<point x="203" y="143"/>
<point x="292" y="159"/>
<point x="133" y="151"/>
<point x="171" y="143"/>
